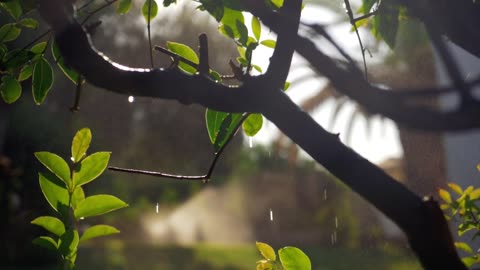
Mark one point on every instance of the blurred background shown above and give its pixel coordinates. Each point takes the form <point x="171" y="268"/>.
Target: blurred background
<point x="264" y="188"/>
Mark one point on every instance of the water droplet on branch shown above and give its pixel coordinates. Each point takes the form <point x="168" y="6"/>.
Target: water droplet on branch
<point x="131" y="99"/>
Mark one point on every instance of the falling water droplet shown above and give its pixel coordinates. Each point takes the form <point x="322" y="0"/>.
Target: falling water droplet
<point x="82" y="218"/>
<point x="72" y="159"/>
<point x="250" y="142"/>
<point x="156" y="208"/>
<point x="335" y="236"/>
<point x="336" y="222"/>
<point x="131" y="99"/>
<point x="269" y="154"/>
<point x="325" y="194"/>
<point x="271" y="214"/>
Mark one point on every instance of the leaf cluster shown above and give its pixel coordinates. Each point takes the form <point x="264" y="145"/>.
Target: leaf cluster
<point x="461" y="205"/>
<point x="289" y="258"/>
<point x="61" y="186"/>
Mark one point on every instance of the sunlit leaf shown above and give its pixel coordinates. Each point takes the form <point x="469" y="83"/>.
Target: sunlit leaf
<point x="25" y="73"/>
<point x="54" y="190"/>
<point x="469" y="261"/>
<point x="42" y="80"/>
<point x="149" y="10"/>
<point x="264" y="265"/>
<point x="90" y="168"/>
<point x="80" y="143"/>
<point x="220" y="126"/>
<point x="293" y="258"/>
<point x="98" y="205"/>
<point x="124" y="6"/>
<point x="252" y="124"/>
<point x="77" y="197"/>
<point x="39" y="48"/>
<point x="71" y="74"/>
<point x="13" y="7"/>
<point x="456" y="188"/>
<point x="270" y="43"/>
<point x="185" y="52"/>
<point x="9" y="32"/>
<point x="445" y="195"/>
<point x="230" y="22"/>
<point x="51" y="224"/>
<point x="98" y="231"/>
<point x="267" y="251"/>
<point x="55" y="164"/>
<point x="68" y="242"/>
<point x="29" y="23"/>
<point x="10" y="89"/>
<point x="45" y="242"/>
<point x="286" y="86"/>
<point x="475" y="194"/>
<point x="463" y="246"/>
<point x="256" y="27"/>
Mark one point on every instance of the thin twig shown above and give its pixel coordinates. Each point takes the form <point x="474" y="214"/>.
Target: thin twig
<point x="85" y="5"/>
<point x="205" y="178"/>
<point x="78" y="93"/>
<point x="149" y="33"/>
<point x="353" y="23"/>
<point x="368" y="15"/>
<point x="176" y="56"/>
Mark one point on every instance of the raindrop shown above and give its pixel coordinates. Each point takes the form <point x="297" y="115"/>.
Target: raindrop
<point x="271" y="214"/>
<point x="131" y="99"/>
<point x="156" y="208"/>
<point x="72" y="159"/>
<point x="82" y="218"/>
<point x="336" y="222"/>
<point x="325" y="194"/>
<point x="250" y="142"/>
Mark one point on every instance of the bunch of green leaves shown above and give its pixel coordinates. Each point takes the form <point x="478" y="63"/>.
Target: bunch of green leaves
<point x="384" y="22"/>
<point x="289" y="258"/>
<point x="30" y="62"/>
<point x="461" y="205"/>
<point x="62" y="185"/>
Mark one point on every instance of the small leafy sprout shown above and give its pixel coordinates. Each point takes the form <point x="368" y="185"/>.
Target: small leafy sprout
<point x="461" y="205"/>
<point x="61" y="186"/>
<point x="290" y="258"/>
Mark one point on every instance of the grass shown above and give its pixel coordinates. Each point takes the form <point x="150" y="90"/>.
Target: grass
<point x="115" y="256"/>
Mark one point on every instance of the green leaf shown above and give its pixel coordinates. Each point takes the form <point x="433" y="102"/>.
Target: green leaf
<point x="68" y="243"/>
<point x="153" y="10"/>
<point x="253" y="124"/>
<point x="14" y="59"/>
<point x="456" y="188"/>
<point x="98" y="231"/>
<point x="230" y="22"/>
<point x="267" y="251"/>
<point x="51" y="224"/>
<point x="90" y="168"/>
<point x="220" y="126"/>
<point x="98" y="205"/>
<point x="29" y="23"/>
<point x="445" y="195"/>
<point x="464" y="246"/>
<point x="42" y="80"/>
<point x="77" y="197"/>
<point x="293" y="258"/>
<point x="167" y="3"/>
<point x="54" y="191"/>
<point x="256" y="27"/>
<point x="46" y="242"/>
<point x="469" y="261"/>
<point x="80" y="143"/>
<point x="55" y="164"/>
<point x="39" y="48"/>
<point x="270" y="43"/>
<point x="367" y="6"/>
<point x="286" y="86"/>
<point x="13" y="7"/>
<point x="124" y="6"/>
<point x="25" y="73"/>
<point x="10" y="89"/>
<point x="214" y="7"/>
<point x="385" y="24"/>
<point x="9" y="32"/>
<point x="71" y="74"/>
<point x="185" y="52"/>
<point x="277" y="3"/>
